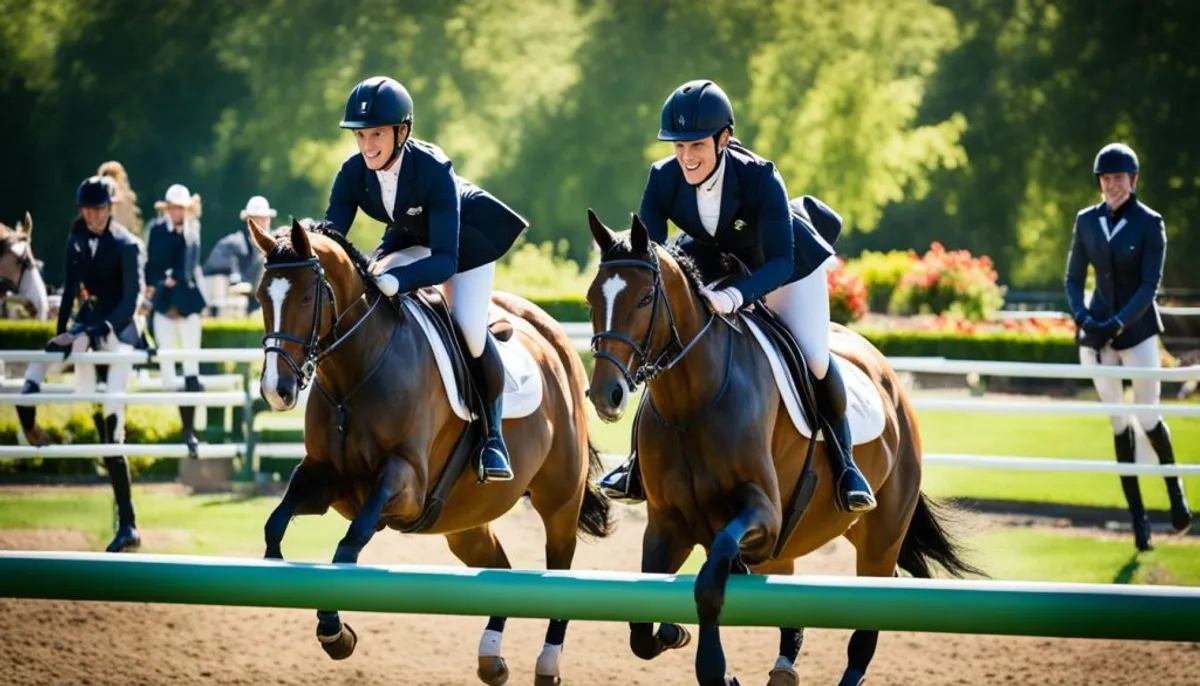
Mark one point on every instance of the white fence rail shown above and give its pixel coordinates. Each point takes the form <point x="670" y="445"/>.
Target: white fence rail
<point x="581" y="333"/>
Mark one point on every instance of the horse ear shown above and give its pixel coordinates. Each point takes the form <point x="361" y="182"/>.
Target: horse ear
<point x="600" y="233"/>
<point x="640" y="237"/>
<point x="300" y="240"/>
<point x="27" y="226"/>
<point x="262" y="238"/>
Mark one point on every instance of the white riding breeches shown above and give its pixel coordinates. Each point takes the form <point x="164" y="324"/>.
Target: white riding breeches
<point x="1145" y="391"/>
<point x="469" y="294"/>
<point x="804" y="307"/>
<point x="181" y="333"/>
<point x="85" y="375"/>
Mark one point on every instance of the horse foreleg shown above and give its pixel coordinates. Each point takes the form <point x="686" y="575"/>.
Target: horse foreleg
<point x="309" y="491"/>
<point x="336" y="638"/>
<point x="479" y="547"/>
<point x="755" y="523"/>
<point x="664" y="549"/>
<point x="783" y="673"/>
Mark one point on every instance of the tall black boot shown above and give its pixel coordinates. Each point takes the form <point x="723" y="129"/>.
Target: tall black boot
<point x="1125" y="444"/>
<point x="27" y="414"/>
<point x="1181" y="514"/>
<point x="127" y="538"/>
<point x="187" y="417"/>
<point x="853" y="492"/>
<point x="624" y="483"/>
<point x="488" y="370"/>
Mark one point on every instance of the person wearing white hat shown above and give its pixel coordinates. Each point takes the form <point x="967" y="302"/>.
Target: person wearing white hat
<point x="234" y="261"/>
<point x="174" y="287"/>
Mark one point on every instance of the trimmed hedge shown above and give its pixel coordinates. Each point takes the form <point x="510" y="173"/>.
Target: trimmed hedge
<point x="1011" y="346"/>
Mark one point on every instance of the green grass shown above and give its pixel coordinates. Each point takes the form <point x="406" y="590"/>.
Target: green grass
<point x="211" y="524"/>
<point x="1015" y="435"/>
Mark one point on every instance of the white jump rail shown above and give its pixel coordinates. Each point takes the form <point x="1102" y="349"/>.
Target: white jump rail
<point x="137" y="356"/>
<point x="1038" y="370"/>
<point x="77" y="450"/>
<point x="1030" y="464"/>
<point x="206" y="399"/>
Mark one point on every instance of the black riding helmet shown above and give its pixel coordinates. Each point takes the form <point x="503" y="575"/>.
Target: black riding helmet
<point x="93" y="192"/>
<point x="697" y="109"/>
<point x="379" y="101"/>
<point x="1115" y="158"/>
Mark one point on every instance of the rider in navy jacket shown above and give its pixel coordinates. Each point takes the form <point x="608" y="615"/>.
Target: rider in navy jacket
<point x="728" y="200"/>
<point x="1125" y="242"/>
<point x="441" y="229"/>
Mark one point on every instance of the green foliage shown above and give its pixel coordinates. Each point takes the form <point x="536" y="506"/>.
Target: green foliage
<point x="542" y="272"/>
<point x="975" y="346"/>
<point x="881" y="272"/>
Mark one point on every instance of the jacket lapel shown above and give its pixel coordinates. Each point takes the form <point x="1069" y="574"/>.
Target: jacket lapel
<point x="406" y="184"/>
<point x="730" y="197"/>
<point x="686" y="214"/>
<point x="373" y="204"/>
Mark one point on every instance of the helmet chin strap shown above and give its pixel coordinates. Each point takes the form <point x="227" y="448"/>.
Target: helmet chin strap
<point x="710" y="173"/>
<point x="398" y="148"/>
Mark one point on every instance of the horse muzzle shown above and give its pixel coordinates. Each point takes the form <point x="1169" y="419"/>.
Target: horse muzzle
<point x="610" y="398"/>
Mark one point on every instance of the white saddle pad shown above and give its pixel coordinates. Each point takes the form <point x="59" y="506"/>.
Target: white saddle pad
<point x="864" y="406"/>
<point x="522" y="378"/>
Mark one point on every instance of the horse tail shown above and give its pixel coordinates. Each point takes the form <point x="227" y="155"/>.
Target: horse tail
<point x="595" y="517"/>
<point x="927" y="541"/>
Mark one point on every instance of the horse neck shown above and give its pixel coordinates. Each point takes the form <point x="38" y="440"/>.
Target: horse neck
<point x="697" y="378"/>
<point x="33" y="289"/>
<point x="357" y="354"/>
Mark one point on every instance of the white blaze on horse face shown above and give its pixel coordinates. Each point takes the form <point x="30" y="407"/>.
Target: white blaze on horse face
<point x="270" y="385"/>
<point x="611" y="289"/>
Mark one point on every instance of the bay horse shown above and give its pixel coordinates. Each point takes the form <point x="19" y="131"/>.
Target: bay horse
<point x="381" y="431"/>
<point x="720" y="455"/>
<point x="20" y="279"/>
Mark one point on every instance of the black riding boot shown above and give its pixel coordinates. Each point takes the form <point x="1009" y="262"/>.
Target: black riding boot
<point x="488" y="370"/>
<point x="1125" y="444"/>
<point x="127" y="538"/>
<point x="187" y="417"/>
<point x="1181" y="514"/>
<point x="852" y="491"/>
<point x="27" y="414"/>
<point x="624" y="483"/>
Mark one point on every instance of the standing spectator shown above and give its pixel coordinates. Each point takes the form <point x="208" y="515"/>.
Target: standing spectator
<point x="1125" y="242"/>
<point x="124" y="201"/>
<point x="174" y="287"/>
<point x="104" y="274"/>
<point x="235" y="259"/>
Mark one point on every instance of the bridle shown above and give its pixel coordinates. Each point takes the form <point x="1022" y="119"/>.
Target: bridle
<point x="313" y="354"/>
<point x="664" y="361"/>
<point x="6" y="286"/>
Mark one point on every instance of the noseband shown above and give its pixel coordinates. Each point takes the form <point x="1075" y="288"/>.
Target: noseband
<point x="647" y="370"/>
<point x="313" y="355"/>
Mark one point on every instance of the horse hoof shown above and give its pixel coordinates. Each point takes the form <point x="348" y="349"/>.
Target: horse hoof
<point x="544" y="680"/>
<point x="492" y="671"/>
<point x="341" y="646"/>
<point x="682" y="636"/>
<point x="784" y="676"/>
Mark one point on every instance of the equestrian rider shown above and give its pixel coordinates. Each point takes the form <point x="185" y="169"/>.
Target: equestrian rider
<point x="728" y="200"/>
<point x="173" y="286"/>
<point x="104" y="273"/>
<point x="1125" y="242"/>
<point x="441" y="229"/>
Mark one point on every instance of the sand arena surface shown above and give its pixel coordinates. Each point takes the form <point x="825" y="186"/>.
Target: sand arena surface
<point x="52" y="642"/>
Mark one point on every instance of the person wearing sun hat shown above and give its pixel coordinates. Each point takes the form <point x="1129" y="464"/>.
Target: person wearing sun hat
<point x="174" y="285"/>
<point x="234" y="261"/>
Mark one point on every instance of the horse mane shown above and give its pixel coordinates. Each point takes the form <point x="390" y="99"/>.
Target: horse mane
<point x="698" y="275"/>
<point x="285" y="252"/>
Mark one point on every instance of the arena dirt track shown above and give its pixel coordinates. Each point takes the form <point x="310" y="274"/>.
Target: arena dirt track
<point x="44" y="642"/>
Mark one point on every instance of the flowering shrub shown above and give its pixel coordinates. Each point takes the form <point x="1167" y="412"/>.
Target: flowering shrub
<point x="881" y="272"/>
<point x="1034" y="328"/>
<point x="847" y="294"/>
<point x="949" y="281"/>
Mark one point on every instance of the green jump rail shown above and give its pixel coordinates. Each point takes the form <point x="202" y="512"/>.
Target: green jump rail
<point x="1159" y="613"/>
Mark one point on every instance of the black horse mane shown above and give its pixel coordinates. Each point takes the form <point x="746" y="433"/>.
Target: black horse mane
<point x="698" y="273"/>
<point x="285" y="252"/>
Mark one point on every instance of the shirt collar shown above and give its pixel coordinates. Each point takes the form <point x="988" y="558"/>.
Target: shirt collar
<point x="394" y="172"/>
<point x="713" y="184"/>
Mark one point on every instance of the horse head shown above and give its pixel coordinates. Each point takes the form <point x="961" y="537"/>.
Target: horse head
<point x="16" y="254"/>
<point x="312" y="278"/>
<point x="640" y="301"/>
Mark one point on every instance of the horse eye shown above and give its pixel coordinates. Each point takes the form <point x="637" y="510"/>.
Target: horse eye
<point x="307" y="299"/>
<point x="646" y="300"/>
